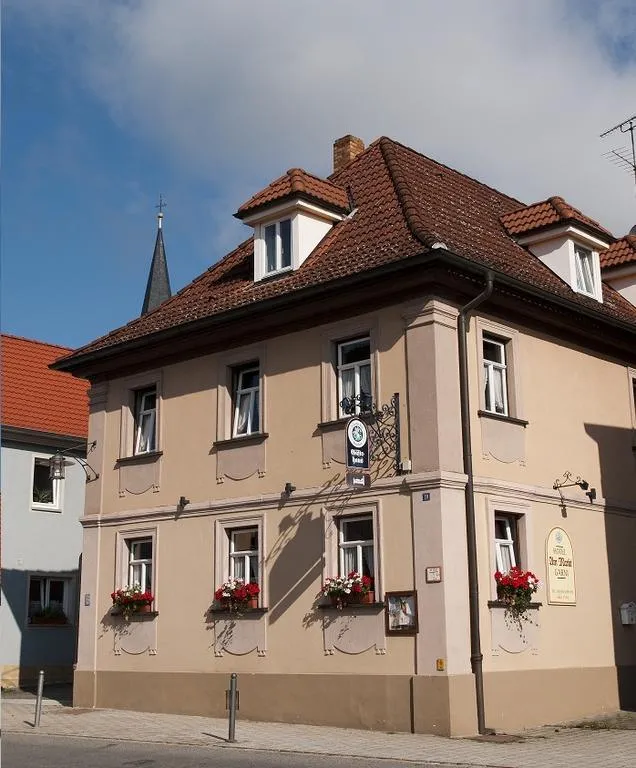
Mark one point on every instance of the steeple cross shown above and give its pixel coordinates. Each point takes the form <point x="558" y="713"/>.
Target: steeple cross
<point x="162" y="204"/>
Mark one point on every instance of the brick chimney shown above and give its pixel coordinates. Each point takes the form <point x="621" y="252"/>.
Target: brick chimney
<point x="345" y="150"/>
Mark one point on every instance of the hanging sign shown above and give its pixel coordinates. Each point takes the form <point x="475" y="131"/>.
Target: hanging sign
<point x="357" y="445"/>
<point x="559" y="560"/>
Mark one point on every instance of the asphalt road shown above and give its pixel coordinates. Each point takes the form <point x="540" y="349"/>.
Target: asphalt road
<point x="35" y="751"/>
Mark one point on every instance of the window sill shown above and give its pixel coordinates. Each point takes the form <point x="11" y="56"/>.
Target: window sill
<point x="257" y="437"/>
<point x="502" y="604"/>
<point x="351" y="607"/>
<point x="335" y="424"/>
<point x="140" y="457"/>
<point x="501" y="417"/>
<point x="238" y="612"/>
<point x="45" y="508"/>
<point x="148" y="616"/>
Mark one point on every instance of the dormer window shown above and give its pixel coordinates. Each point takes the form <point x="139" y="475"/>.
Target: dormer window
<point x="278" y="246"/>
<point x="584" y="265"/>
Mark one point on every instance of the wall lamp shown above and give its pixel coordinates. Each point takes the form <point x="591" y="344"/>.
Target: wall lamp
<point x="569" y="482"/>
<point x="182" y="503"/>
<point x="58" y="462"/>
<point x="289" y="489"/>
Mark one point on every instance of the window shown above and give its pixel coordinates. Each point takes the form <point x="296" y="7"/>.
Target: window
<point x="495" y="376"/>
<point x="243" y="553"/>
<point x="45" y="493"/>
<point x="355" y="545"/>
<point x="246" y="400"/>
<point x="145" y="420"/>
<point x="140" y="563"/>
<point x="354" y="373"/>
<point x="584" y="264"/>
<point x="278" y="246"/>
<point x="48" y="596"/>
<point x="506" y="542"/>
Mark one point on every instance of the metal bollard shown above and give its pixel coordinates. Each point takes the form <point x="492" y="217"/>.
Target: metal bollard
<point x="232" y="704"/>
<point x="38" y="700"/>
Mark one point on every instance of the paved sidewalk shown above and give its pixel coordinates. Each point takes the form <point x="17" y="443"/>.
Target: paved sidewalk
<point x="539" y="748"/>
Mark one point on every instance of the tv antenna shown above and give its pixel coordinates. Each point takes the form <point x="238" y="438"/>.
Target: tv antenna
<point x="623" y="157"/>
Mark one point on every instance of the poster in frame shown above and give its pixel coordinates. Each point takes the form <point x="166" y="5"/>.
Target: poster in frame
<point x="401" y="612"/>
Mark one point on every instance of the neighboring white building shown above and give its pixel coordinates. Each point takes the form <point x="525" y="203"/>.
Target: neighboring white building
<point x="43" y="411"/>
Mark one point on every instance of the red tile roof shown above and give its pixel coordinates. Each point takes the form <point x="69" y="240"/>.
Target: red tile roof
<point x="405" y="203"/>
<point x="297" y="183"/>
<point x="35" y="397"/>
<point x="621" y="252"/>
<point x="555" y="210"/>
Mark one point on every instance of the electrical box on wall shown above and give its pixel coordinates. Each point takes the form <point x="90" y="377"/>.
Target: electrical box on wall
<point x="628" y="613"/>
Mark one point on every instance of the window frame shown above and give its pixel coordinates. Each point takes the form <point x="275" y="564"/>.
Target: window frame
<point x="332" y="335"/>
<point x="511" y="542"/>
<point x="226" y="364"/>
<point x="278" y="246"/>
<point x="497" y="507"/>
<point x="139" y="413"/>
<point x="68" y="603"/>
<point x="584" y="254"/>
<point x="128" y="428"/>
<point x="245" y="554"/>
<point x="255" y="395"/>
<point x="142" y="562"/>
<point x="510" y="337"/>
<point x="332" y="520"/>
<point x="57" y="485"/>
<point x="488" y="367"/>
<point x="223" y="527"/>
<point x="341" y="367"/>
<point x="122" y="558"/>
<point x="358" y="544"/>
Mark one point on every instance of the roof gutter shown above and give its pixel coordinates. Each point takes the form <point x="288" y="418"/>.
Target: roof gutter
<point x="476" y="656"/>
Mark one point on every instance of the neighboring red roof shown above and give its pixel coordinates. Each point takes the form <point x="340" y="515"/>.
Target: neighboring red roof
<point x="621" y="252"/>
<point x="404" y="203"/>
<point x="297" y="183"/>
<point x="35" y="397"/>
<point x="555" y="210"/>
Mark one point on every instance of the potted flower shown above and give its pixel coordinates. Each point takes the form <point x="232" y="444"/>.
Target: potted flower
<point x="337" y="589"/>
<point x="131" y="599"/>
<point x="49" y="615"/>
<point x="361" y="588"/>
<point x="236" y="594"/>
<point x="516" y="589"/>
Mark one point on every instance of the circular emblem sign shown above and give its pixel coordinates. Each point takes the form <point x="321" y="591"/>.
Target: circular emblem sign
<point x="357" y="433"/>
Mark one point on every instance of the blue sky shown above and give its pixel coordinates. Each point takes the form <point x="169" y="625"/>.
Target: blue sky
<point x="107" y="103"/>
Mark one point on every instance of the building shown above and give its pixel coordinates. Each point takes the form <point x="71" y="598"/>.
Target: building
<point x="219" y="426"/>
<point x="43" y="412"/>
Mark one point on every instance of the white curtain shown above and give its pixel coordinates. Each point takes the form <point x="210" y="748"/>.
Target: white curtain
<point x="243" y="412"/>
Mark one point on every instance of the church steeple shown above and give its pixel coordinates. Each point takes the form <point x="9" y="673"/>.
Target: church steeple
<point x="158" y="286"/>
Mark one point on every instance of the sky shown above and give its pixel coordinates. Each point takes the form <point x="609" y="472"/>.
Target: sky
<point x="108" y="103"/>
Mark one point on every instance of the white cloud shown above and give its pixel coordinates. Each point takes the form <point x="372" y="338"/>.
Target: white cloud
<point x="512" y="93"/>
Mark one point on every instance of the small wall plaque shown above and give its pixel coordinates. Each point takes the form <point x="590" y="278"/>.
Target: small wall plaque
<point x="433" y="574"/>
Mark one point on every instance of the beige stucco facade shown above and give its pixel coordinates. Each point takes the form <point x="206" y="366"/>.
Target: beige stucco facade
<point x="297" y="661"/>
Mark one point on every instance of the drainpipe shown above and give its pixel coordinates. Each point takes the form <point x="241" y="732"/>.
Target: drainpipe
<point x="476" y="656"/>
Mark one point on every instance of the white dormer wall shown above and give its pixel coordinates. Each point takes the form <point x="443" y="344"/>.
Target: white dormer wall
<point x="623" y="280"/>
<point x="309" y="225"/>
<point x="557" y="250"/>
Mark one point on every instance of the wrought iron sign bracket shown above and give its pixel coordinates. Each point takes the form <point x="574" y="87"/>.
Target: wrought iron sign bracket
<point x="383" y="423"/>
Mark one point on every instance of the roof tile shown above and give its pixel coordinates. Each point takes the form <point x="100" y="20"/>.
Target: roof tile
<point x="404" y="203"/>
<point x="554" y="210"/>
<point x="621" y="252"/>
<point x="297" y="183"/>
<point x="35" y="397"/>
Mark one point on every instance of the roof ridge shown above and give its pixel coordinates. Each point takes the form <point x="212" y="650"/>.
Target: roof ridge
<point x="448" y="168"/>
<point x="410" y="210"/>
<point x="4" y="335"/>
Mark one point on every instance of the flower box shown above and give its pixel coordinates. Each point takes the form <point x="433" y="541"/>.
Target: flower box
<point x="131" y="600"/>
<point x="350" y="590"/>
<point x="237" y="595"/>
<point x="515" y="590"/>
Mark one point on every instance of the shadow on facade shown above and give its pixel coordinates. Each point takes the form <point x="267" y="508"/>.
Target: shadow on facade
<point x="617" y="458"/>
<point x="30" y="647"/>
